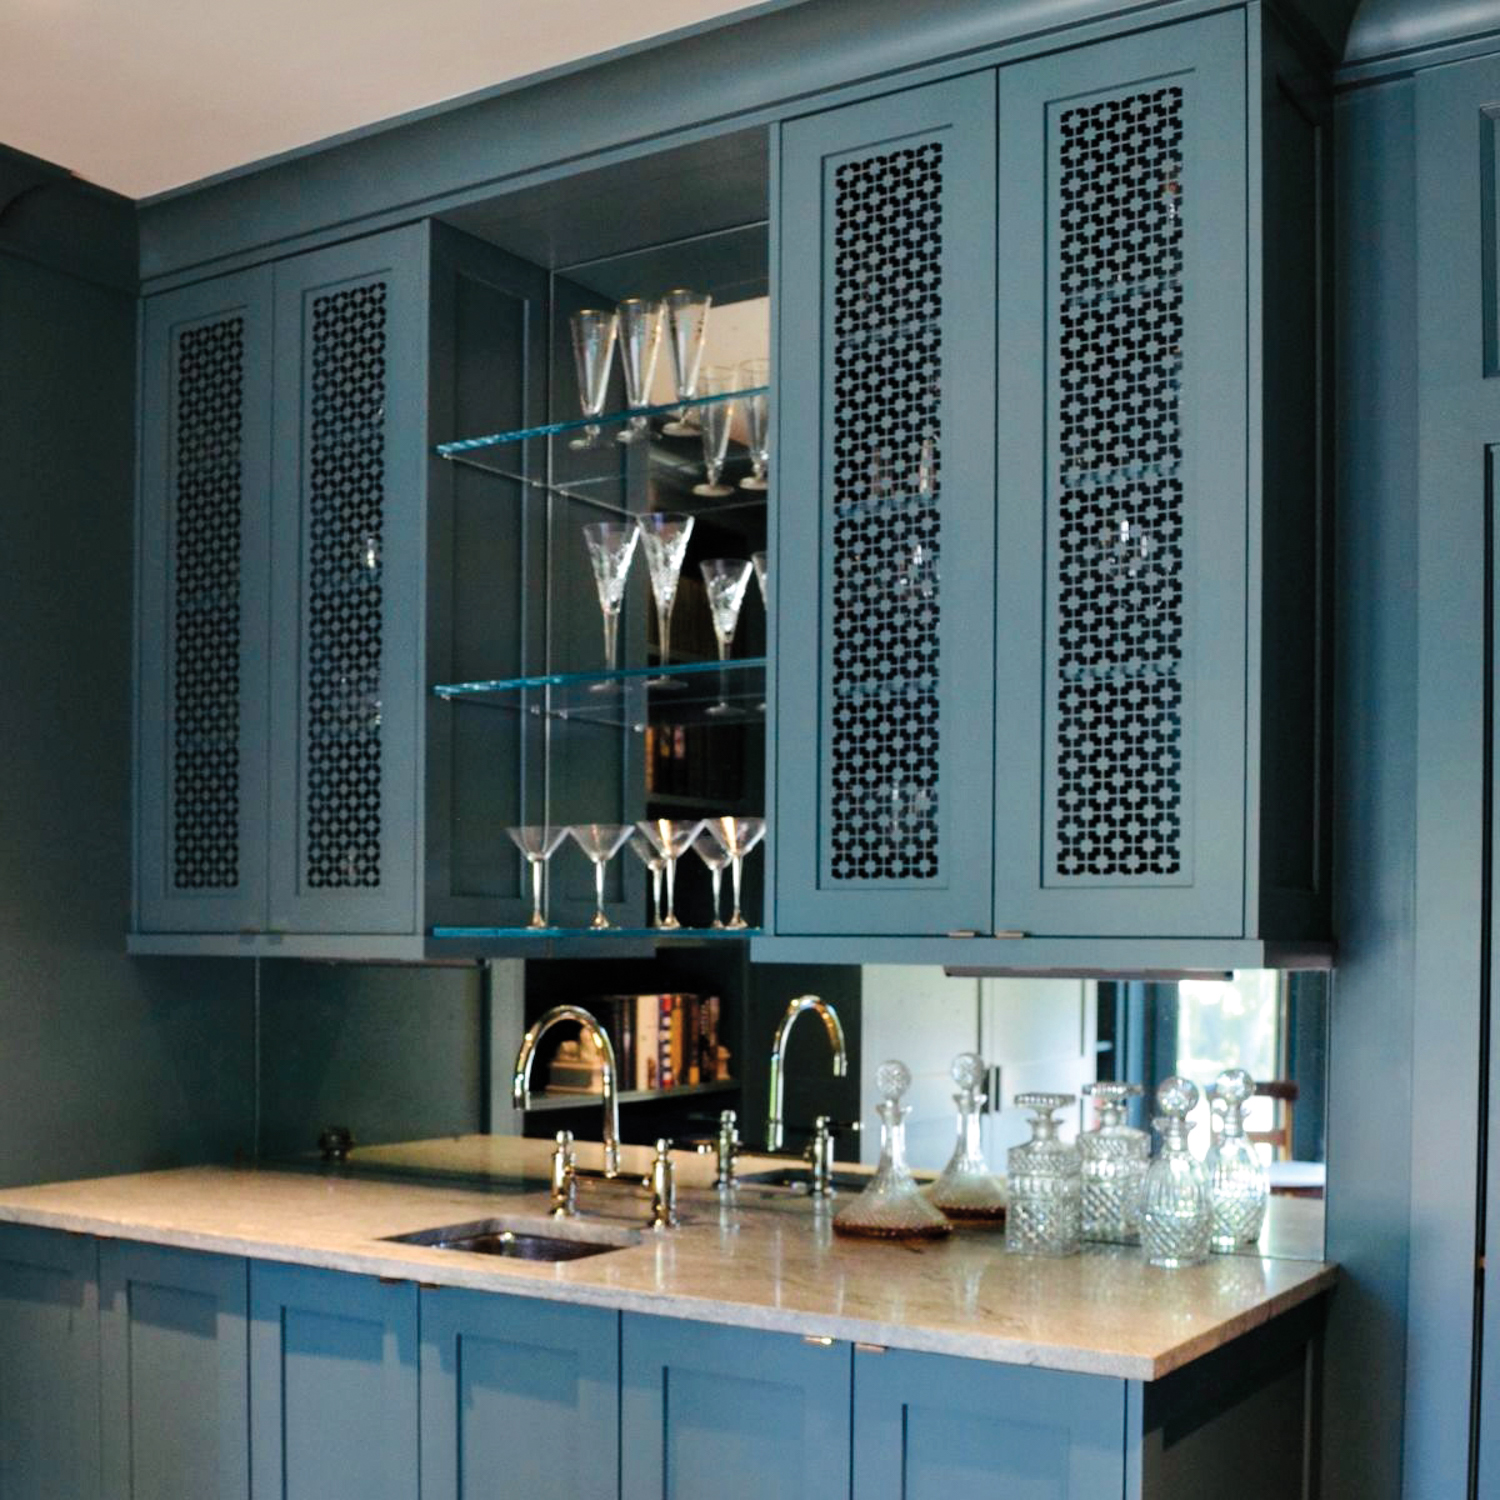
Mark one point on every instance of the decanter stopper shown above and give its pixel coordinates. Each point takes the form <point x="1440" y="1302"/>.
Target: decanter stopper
<point x="1045" y="1185"/>
<point x="1114" y="1159"/>
<point x="1239" y="1185"/>
<point x="892" y="1207"/>
<point x="967" y="1190"/>
<point x="1176" y="1213"/>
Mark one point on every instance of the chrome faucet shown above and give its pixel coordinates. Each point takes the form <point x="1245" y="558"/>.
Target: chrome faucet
<point x="775" y="1125"/>
<point x="521" y="1085"/>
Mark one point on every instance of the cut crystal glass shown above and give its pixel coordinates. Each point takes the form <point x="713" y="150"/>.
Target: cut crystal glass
<point x="600" y="842"/>
<point x="1044" y="1183"/>
<point x="892" y="1206"/>
<point x="968" y="1191"/>
<point x="665" y="536"/>
<point x="686" y="315"/>
<point x="1238" y="1183"/>
<point x="725" y="580"/>
<point x="1114" y="1159"/>
<point x="1176" y="1210"/>
<point x="640" y="324"/>
<point x="611" y="547"/>
<point x="594" y="333"/>
<point x="538" y="842"/>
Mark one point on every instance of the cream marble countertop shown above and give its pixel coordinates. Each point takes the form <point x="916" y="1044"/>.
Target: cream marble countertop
<point x="767" y="1259"/>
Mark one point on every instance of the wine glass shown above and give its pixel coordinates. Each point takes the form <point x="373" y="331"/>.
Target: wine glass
<point x="665" y="536"/>
<point x="711" y="852"/>
<point x="713" y="423"/>
<point x="645" y="851"/>
<point x="755" y="372"/>
<point x="725" y="579"/>
<point x="538" y="842"/>
<point x="640" y="343"/>
<point x="761" y="580"/>
<point x="611" y="547"/>
<point x="670" y="837"/>
<point x="593" y="352"/>
<point x="686" y="316"/>
<point x="600" y="842"/>
<point x="737" y="836"/>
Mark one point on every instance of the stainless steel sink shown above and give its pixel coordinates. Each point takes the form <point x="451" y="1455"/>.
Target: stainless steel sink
<point x="495" y="1237"/>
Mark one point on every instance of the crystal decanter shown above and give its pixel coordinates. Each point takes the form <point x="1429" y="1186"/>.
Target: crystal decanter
<point x="1114" y="1156"/>
<point x="892" y="1207"/>
<point x="1045" y="1185"/>
<point x="1176" y="1215"/>
<point x="1238" y="1182"/>
<point x="968" y="1191"/>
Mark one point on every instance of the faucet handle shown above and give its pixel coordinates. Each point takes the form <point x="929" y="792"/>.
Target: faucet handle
<point x="663" y="1185"/>
<point x="564" y="1177"/>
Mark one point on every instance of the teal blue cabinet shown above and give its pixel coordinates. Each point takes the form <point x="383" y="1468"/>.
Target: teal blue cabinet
<point x="518" y="1398"/>
<point x="928" y="1427"/>
<point x="174" y="1393"/>
<point x="1048" y="638"/>
<point x="49" y="1365"/>
<point x="731" y="1413"/>
<point x="333" y="1385"/>
<point x="307" y="570"/>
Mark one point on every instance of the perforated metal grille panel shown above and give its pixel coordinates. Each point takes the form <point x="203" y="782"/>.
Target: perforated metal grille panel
<point x="883" y="751"/>
<point x="345" y="515"/>
<point x="207" y="496"/>
<point x="1118" y="579"/>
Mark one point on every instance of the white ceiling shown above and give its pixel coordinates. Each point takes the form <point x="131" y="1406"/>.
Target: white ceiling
<point x="145" y="95"/>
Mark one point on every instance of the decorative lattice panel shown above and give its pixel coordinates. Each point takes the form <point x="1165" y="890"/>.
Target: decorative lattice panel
<point x="1118" y="584"/>
<point x="887" y="288"/>
<point x="345" y="500"/>
<point x="207" y="498"/>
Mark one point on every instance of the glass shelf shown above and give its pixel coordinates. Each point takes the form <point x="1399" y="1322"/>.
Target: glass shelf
<point x="549" y="1101"/>
<point x="681" y="935"/>
<point x="701" y="692"/>
<point x="461" y="446"/>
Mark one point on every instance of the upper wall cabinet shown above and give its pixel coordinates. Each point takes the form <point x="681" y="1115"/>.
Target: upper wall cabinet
<point x="1049" y="656"/>
<point x="299" y="582"/>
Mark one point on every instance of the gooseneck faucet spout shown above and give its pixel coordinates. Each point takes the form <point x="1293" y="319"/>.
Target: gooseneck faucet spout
<point x="775" y="1125"/>
<point x="521" y="1085"/>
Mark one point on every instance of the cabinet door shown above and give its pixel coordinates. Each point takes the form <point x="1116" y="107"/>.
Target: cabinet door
<point x="49" y="1364"/>
<point x="732" y="1413"/>
<point x="927" y="1427"/>
<point x="175" y="1358"/>
<point x="204" y="533"/>
<point x="333" y="1385"/>
<point x="518" y="1398"/>
<point x="347" y="674"/>
<point x="884" y="568"/>
<point x="1121" y="667"/>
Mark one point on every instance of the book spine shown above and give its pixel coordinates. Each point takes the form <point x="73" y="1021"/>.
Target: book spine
<point x="694" y="1041"/>
<point x="666" y="1078"/>
<point x="646" y="1042"/>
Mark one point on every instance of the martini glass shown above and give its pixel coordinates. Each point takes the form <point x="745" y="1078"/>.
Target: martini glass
<point x="600" y="842"/>
<point x="611" y="547"/>
<point x="755" y="372"/>
<point x="725" y="579"/>
<point x="711" y="852"/>
<point x="686" y="317"/>
<point x="538" y="842"/>
<point x="593" y="352"/>
<point x="737" y="836"/>
<point x="713" y="423"/>
<point x="665" y="537"/>
<point x="645" y="851"/>
<point x="671" y="837"/>
<point x="640" y="343"/>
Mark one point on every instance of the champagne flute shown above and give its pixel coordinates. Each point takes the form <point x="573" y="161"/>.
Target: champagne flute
<point x="686" y="315"/>
<point x="664" y="536"/>
<point x="645" y="851"/>
<point x="670" y="837"/>
<point x="713" y="423"/>
<point x="754" y="372"/>
<point x="640" y="344"/>
<point x="737" y="836"/>
<point x="761" y="580"/>
<point x="538" y="842"/>
<point x="600" y="842"/>
<point x="725" y="579"/>
<point x="611" y="547"/>
<point x="711" y="852"/>
<point x="593" y="353"/>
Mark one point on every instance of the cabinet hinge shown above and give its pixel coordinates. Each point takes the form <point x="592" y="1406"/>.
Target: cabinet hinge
<point x="1009" y="932"/>
<point x="965" y="932"/>
<point x="869" y="1348"/>
<point x="821" y="1340"/>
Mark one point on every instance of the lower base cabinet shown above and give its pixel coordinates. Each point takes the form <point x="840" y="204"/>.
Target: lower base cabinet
<point x="714" y="1413"/>
<point x="519" y="1398"/>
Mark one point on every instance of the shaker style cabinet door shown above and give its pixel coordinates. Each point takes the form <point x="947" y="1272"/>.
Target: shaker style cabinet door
<point x="347" y="689"/>
<point x="731" y="1413"/>
<point x="884" y="571"/>
<point x="1120" y="703"/>
<point x="203" y="545"/>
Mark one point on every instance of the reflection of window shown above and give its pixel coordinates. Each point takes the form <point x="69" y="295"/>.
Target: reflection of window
<point x="1231" y="1023"/>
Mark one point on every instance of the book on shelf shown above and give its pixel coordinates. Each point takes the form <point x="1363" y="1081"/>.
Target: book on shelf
<point x="664" y="1042"/>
